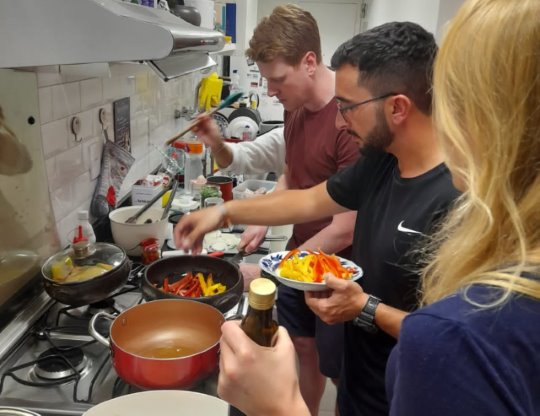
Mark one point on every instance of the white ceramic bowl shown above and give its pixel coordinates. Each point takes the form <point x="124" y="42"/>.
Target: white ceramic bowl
<point x="129" y="236"/>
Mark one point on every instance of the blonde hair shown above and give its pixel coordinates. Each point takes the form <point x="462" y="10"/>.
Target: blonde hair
<point x="289" y="33"/>
<point x="487" y="111"/>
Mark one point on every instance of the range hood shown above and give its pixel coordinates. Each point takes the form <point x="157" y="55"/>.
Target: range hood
<point x="61" y="32"/>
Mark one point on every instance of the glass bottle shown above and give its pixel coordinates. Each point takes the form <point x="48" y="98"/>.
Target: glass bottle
<point x="258" y="323"/>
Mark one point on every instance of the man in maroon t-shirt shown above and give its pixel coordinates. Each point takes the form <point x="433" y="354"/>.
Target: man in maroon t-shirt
<point x="287" y="49"/>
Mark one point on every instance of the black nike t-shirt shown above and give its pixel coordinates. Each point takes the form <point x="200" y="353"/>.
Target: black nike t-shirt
<point x="394" y="216"/>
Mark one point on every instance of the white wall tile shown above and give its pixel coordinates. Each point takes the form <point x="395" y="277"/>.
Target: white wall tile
<point x="73" y="168"/>
<point x="92" y="151"/>
<point x="45" y="105"/>
<point x="83" y="188"/>
<point x="91" y="93"/>
<point x="55" y="137"/>
<point x="66" y="99"/>
<point x="70" y="164"/>
<point x="62" y="201"/>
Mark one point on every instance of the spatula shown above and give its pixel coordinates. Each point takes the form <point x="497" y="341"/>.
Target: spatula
<point x="225" y="103"/>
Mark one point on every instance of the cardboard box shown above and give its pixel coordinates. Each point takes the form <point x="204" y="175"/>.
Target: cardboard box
<point x="141" y="194"/>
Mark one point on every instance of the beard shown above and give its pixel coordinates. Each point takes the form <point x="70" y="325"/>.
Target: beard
<point x="378" y="139"/>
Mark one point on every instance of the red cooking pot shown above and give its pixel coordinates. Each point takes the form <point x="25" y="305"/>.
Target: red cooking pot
<point x="164" y="344"/>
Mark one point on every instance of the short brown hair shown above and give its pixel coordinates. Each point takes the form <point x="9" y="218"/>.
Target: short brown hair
<point x="289" y="33"/>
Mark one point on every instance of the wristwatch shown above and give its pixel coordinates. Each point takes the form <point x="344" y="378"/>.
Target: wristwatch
<point x="366" y="319"/>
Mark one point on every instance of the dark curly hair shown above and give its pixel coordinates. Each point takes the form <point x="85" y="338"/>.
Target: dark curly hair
<point x="393" y="57"/>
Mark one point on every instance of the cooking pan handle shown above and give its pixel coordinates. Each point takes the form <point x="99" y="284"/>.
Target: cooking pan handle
<point x="93" y="331"/>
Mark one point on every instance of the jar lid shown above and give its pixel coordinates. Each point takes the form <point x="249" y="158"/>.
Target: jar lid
<point x="262" y="293"/>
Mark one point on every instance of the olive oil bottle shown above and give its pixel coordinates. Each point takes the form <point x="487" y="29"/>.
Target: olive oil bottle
<point x="258" y="323"/>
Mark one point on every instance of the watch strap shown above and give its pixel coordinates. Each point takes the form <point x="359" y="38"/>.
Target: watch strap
<point x="366" y="318"/>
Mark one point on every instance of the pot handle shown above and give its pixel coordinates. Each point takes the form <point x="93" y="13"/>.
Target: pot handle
<point x="92" y="328"/>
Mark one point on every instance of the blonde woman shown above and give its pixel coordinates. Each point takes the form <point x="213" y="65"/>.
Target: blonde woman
<point x="474" y="348"/>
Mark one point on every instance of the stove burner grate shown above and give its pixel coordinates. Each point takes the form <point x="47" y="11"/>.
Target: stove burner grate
<point x="59" y="363"/>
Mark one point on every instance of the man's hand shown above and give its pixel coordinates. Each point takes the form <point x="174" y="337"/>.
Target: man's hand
<point x="207" y="131"/>
<point x="189" y="232"/>
<point x="252" y="238"/>
<point x="249" y="272"/>
<point x="342" y="302"/>
<point x="259" y="380"/>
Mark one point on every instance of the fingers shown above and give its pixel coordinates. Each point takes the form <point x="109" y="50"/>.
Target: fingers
<point x="334" y="283"/>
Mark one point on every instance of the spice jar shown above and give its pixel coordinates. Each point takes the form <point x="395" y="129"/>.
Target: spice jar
<point x="150" y="250"/>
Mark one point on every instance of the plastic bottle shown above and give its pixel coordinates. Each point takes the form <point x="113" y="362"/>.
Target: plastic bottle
<point x="258" y="323"/>
<point x="235" y="82"/>
<point x="193" y="165"/>
<point x="84" y="227"/>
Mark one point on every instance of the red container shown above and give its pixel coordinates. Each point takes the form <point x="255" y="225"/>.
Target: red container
<point x="146" y="340"/>
<point x="225" y="186"/>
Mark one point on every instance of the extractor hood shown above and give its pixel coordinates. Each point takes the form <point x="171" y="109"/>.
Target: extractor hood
<point x="60" y="32"/>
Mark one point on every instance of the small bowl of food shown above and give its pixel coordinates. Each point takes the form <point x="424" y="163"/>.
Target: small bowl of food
<point x="205" y="279"/>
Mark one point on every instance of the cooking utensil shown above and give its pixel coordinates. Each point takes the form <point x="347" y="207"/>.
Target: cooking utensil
<point x="164" y="344"/>
<point x="162" y="403"/>
<point x="95" y="289"/>
<point x="134" y="217"/>
<point x="169" y="201"/>
<point x="231" y="99"/>
<point x="222" y="272"/>
<point x="129" y="236"/>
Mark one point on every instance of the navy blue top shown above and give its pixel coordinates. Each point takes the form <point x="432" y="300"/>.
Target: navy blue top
<point x="454" y="358"/>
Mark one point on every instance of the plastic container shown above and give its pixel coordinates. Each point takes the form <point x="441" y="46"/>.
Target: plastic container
<point x="249" y="188"/>
<point x="86" y="228"/>
<point x="193" y="165"/>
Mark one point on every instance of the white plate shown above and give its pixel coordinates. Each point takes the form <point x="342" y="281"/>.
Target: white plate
<point x="218" y="241"/>
<point x="270" y="263"/>
<point x="162" y="403"/>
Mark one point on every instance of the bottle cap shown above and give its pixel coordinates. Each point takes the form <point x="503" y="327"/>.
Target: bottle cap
<point x="262" y="293"/>
<point x="82" y="215"/>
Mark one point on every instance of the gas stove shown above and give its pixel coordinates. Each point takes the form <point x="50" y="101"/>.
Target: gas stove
<point x="52" y="366"/>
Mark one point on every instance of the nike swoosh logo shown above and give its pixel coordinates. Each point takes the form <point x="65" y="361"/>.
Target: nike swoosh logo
<point x="403" y="229"/>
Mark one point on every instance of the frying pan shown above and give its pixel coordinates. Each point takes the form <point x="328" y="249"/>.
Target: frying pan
<point x="222" y="271"/>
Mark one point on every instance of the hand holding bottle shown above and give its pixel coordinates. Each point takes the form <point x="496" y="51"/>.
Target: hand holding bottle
<point x="259" y="380"/>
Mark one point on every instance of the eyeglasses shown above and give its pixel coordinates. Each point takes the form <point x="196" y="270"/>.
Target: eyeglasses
<point x="343" y="109"/>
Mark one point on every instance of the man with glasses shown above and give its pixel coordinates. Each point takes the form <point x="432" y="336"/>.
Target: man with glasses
<point x="400" y="189"/>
